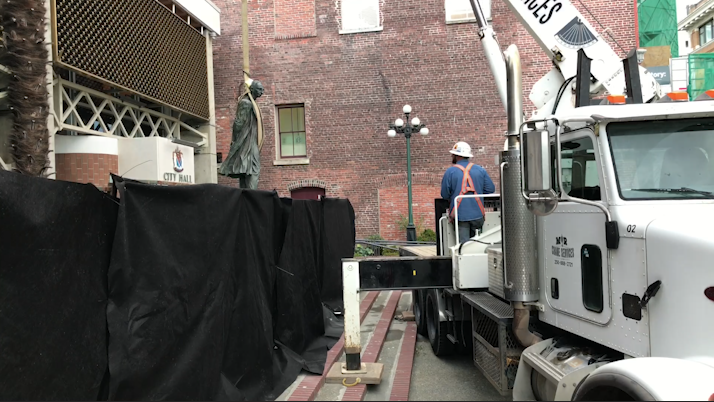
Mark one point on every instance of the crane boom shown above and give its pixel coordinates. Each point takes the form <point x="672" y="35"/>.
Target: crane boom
<point x="561" y="30"/>
<point x="493" y="52"/>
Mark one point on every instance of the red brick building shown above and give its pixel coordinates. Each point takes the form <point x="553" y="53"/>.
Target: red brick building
<point x="350" y="85"/>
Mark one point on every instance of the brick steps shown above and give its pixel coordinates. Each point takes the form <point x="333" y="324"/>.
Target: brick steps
<point x="384" y="340"/>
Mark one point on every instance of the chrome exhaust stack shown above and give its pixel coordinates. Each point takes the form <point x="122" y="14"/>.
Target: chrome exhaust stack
<point x="521" y="282"/>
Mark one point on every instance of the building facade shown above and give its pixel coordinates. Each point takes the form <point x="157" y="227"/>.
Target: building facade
<point x="698" y="66"/>
<point x="699" y="26"/>
<point x="337" y="72"/>
<point x="129" y="86"/>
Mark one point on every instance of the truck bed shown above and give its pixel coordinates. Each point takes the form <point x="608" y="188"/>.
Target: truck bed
<point x="418" y="251"/>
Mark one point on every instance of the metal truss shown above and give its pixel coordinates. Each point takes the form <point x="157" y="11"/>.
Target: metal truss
<point x="84" y="110"/>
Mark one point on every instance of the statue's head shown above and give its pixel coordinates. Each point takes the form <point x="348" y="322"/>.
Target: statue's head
<point x="256" y="88"/>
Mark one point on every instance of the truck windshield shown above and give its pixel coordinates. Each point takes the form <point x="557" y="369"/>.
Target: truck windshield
<point x="665" y="159"/>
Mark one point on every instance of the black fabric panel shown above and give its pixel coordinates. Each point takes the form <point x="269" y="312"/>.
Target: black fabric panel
<point x="300" y="326"/>
<point x="210" y="293"/>
<point x="249" y="359"/>
<point x="170" y="291"/>
<point x="339" y="237"/>
<point x="197" y="295"/>
<point x="55" y="242"/>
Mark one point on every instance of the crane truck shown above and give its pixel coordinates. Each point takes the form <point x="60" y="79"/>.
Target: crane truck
<point x="590" y="279"/>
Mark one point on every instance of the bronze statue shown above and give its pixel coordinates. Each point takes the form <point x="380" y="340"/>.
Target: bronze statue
<point x="243" y="160"/>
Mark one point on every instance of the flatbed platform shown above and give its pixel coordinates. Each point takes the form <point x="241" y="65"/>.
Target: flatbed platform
<point x="418" y="251"/>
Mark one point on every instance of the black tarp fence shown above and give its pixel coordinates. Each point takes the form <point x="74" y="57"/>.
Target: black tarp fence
<point x="200" y="292"/>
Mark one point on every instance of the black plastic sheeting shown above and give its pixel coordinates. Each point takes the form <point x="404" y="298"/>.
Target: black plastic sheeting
<point x="206" y="293"/>
<point x="55" y="245"/>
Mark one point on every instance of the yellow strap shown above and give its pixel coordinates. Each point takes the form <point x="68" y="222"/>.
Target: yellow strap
<point x="256" y="109"/>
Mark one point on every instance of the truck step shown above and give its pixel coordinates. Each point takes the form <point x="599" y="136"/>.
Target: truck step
<point x="489" y="305"/>
<point x="535" y="360"/>
<point x="452" y="339"/>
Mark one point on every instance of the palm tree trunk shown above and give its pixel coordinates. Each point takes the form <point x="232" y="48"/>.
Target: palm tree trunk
<point x="25" y="54"/>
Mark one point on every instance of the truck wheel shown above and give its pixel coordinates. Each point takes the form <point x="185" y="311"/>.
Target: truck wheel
<point x="437" y="330"/>
<point x="418" y="300"/>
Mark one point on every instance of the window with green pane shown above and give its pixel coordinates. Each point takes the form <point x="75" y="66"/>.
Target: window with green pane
<point x="291" y="126"/>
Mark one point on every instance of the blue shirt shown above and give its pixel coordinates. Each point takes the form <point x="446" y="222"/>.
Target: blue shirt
<point x="451" y="187"/>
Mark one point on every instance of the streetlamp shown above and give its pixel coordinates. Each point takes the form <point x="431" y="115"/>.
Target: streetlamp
<point x="413" y="126"/>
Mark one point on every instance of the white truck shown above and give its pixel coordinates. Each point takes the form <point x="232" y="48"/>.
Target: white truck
<point x="591" y="281"/>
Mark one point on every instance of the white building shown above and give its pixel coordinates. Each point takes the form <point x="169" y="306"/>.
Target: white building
<point x="685" y="41"/>
<point x="131" y="91"/>
<point x="697" y="25"/>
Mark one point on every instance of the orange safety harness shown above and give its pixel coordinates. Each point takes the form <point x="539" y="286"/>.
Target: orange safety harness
<point x="467" y="185"/>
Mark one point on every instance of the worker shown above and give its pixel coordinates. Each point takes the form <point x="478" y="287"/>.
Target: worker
<point x="466" y="177"/>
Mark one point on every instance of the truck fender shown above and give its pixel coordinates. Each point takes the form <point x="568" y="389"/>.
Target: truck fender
<point x="650" y="379"/>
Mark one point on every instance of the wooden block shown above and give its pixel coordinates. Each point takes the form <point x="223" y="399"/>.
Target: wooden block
<point x="370" y="374"/>
<point x="408" y="316"/>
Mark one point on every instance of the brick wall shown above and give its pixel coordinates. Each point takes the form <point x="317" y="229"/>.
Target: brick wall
<point x="294" y="19"/>
<point x="393" y="210"/>
<point x="87" y="168"/>
<point x="354" y="85"/>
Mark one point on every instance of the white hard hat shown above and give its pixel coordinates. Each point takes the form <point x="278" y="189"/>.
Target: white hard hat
<point x="462" y="149"/>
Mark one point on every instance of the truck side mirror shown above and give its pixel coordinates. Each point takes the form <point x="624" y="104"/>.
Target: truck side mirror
<point x="537" y="161"/>
<point x="538" y="172"/>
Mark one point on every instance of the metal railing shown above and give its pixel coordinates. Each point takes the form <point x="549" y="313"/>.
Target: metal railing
<point x="456" y="210"/>
<point x="393" y="245"/>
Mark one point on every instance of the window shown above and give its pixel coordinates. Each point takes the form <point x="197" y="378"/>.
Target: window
<point x="706" y="32"/>
<point x="461" y="10"/>
<point x="291" y="130"/>
<point x="360" y="16"/>
<point x="591" y="267"/>
<point x="580" y="172"/>
<point x="663" y="159"/>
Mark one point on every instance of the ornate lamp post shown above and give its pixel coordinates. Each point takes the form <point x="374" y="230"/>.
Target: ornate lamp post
<point x="399" y="126"/>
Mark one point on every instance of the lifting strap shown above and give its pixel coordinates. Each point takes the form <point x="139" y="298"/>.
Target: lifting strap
<point x="467" y="186"/>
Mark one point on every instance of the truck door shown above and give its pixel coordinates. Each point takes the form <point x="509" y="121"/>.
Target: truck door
<point x="573" y="237"/>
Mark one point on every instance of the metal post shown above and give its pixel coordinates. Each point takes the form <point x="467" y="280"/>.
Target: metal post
<point x="582" y="80"/>
<point x="407" y="129"/>
<point x="411" y="229"/>
<point x="350" y="294"/>
<point x="632" y="77"/>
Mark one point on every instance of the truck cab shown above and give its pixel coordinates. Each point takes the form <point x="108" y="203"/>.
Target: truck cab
<point x="623" y="201"/>
<point x="651" y="167"/>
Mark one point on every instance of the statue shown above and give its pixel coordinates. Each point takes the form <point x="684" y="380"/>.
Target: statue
<point x="243" y="160"/>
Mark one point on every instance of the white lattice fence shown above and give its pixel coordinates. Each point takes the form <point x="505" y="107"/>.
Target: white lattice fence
<point x="88" y="111"/>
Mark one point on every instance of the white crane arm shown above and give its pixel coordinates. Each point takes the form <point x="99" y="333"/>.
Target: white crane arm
<point x="561" y="30"/>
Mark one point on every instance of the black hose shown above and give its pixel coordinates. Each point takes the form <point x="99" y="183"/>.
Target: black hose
<point x="561" y="91"/>
<point x="477" y="241"/>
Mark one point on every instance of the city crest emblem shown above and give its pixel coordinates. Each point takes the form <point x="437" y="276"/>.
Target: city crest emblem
<point x="178" y="160"/>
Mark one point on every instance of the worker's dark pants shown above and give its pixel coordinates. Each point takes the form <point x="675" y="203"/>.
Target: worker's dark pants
<point x="467" y="229"/>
